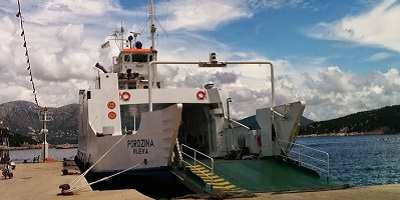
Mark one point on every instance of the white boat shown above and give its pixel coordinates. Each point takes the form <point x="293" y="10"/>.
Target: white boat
<point x="132" y="129"/>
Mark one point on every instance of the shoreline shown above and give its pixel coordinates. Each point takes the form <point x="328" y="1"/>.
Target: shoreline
<point x="344" y="134"/>
<point x="39" y="146"/>
<point x="33" y="174"/>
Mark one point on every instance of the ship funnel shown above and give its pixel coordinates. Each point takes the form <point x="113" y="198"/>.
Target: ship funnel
<point x="101" y="67"/>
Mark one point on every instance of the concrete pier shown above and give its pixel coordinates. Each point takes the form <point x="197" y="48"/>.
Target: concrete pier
<point x="41" y="181"/>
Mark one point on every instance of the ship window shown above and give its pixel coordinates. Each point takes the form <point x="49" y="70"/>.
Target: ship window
<point x="139" y="57"/>
<point x="132" y="85"/>
<point x="127" y="58"/>
<point x="150" y="58"/>
<point x="118" y="60"/>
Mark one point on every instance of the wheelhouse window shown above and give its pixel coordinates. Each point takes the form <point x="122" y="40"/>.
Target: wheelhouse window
<point x="127" y="58"/>
<point x="139" y="57"/>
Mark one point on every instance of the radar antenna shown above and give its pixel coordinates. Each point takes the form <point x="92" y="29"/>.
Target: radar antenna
<point x="118" y="35"/>
<point x="135" y="34"/>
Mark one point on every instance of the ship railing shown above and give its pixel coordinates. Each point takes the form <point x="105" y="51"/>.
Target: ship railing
<point x="193" y="158"/>
<point x="306" y="156"/>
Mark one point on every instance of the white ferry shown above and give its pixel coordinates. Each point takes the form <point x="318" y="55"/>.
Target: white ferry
<point x="165" y="142"/>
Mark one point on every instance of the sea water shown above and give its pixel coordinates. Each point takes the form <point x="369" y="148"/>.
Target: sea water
<point x="19" y="156"/>
<point x="361" y="160"/>
<point x="355" y="160"/>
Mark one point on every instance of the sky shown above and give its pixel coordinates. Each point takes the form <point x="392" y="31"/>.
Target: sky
<point x="340" y="57"/>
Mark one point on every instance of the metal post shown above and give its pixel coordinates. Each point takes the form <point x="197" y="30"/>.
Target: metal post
<point x="45" y="117"/>
<point x="299" y="155"/>
<point x="228" y="100"/>
<point x="195" y="159"/>
<point x="45" y="146"/>
<point x="327" y="171"/>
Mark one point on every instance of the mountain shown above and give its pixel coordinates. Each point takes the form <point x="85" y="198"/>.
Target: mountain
<point x="253" y="124"/>
<point x="22" y="118"/>
<point x="379" y="121"/>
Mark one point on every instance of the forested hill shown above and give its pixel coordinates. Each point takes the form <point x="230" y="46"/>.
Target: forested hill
<point x="380" y="121"/>
<point x="22" y="118"/>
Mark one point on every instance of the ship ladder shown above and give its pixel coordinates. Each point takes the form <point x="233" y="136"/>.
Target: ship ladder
<point x="214" y="180"/>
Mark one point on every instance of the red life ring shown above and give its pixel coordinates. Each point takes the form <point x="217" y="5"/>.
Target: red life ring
<point x="125" y="96"/>
<point x="201" y="94"/>
<point x="259" y="143"/>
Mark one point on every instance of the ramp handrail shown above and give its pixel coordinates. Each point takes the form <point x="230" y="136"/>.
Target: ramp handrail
<point x="298" y="151"/>
<point x="196" y="161"/>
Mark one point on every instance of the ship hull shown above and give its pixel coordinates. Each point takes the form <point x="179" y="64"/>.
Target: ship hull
<point x="156" y="183"/>
<point x="140" y="160"/>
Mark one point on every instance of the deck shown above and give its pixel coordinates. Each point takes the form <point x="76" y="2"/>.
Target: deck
<point x="269" y="175"/>
<point x="41" y="181"/>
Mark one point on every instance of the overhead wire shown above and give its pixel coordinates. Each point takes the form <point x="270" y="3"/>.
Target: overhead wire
<point x="190" y="67"/>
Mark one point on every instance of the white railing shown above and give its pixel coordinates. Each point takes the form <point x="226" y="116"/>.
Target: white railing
<point x="194" y="161"/>
<point x="318" y="160"/>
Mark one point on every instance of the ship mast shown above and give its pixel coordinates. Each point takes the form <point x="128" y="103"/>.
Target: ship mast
<point x="122" y="36"/>
<point x="152" y="26"/>
<point x="152" y="72"/>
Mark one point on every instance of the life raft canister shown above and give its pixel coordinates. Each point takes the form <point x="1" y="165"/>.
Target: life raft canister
<point x="201" y="94"/>
<point x="125" y="96"/>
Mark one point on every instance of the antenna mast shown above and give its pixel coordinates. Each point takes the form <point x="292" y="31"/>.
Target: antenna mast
<point x="122" y="36"/>
<point x="118" y="35"/>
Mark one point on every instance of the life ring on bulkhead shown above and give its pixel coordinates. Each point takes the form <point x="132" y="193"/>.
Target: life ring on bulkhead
<point x="201" y="94"/>
<point x="259" y="142"/>
<point x="125" y="96"/>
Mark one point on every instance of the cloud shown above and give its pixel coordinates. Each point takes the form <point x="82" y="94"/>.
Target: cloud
<point x="343" y="93"/>
<point x="59" y="11"/>
<point x="376" y="27"/>
<point x="378" y="56"/>
<point x="64" y="38"/>
<point x="279" y="4"/>
<point x="319" y="60"/>
<point x="192" y="14"/>
<point x="195" y="15"/>
<point x="57" y="59"/>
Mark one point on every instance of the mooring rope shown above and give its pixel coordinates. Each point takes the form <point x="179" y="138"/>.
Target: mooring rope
<point x="105" y="178"/>
<point x="75" y="181"/>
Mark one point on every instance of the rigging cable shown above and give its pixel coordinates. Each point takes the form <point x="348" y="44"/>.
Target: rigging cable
<point x="191" y="68"/>
<point x="19" y="15"/>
